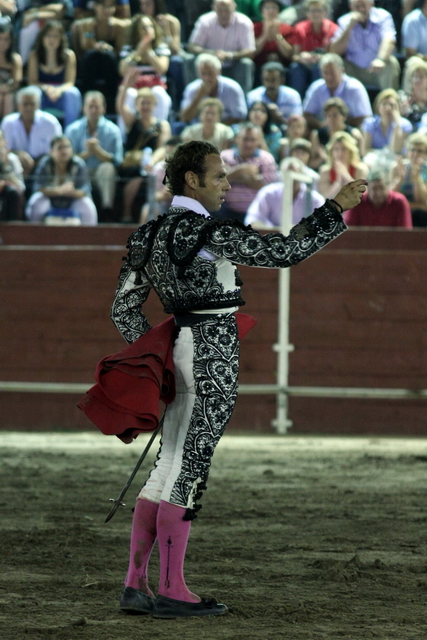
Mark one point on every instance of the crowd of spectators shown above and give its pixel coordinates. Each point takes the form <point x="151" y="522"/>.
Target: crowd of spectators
<point x="95" y="93"/>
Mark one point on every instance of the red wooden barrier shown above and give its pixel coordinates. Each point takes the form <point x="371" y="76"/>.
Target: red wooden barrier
<point x="358" y="313"/>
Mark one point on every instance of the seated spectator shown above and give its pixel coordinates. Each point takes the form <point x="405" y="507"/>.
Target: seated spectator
<point x="260" y="115"/>
<point x="151" y="59"/>
<point x="85" y="9"/>
<point x="366" y="37"/>
<point x="336" y="114"/>
<point x="10" y="68"/>
<point x="230" y="36"/>
<point x="33" y="18"/>
<point x="343" y="164"/>
<point x="248" y="169"/>
<point x="210" y="128"/>
<point x="159" y="197"/>
<point x="169" y="28"/>
<point x="296" y="129"/>
<point x="29" y="132"/>
<point x="143" y="130"/>
<point x="301" y="149"/>
<point x="273" y="38"/>
<point x="11" y="183"/>
<point x="409" y="176"/>
<point x="266" y="210"/>
<point x="98" y="142"/>
<point x="281" y="100"/>
<point x="52" y="67"/>
<point x="380" y="206"/>
<point x="335" y="83"/>
<point x="387" y="128"/>
<point x="97" y="41"/>
<point x="61" y="183"/>
<point x="212" y="84"/>
<point x="413" y="97"/>
<point x="414" y="32"/>
<point x="311" y="39"/>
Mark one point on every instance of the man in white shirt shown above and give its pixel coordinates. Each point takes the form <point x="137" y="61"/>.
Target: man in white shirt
<point x="28" y="133"/>
<point x="228" y="34"/>
<point x="265" y="210"/>
<point x="212" y="84"/>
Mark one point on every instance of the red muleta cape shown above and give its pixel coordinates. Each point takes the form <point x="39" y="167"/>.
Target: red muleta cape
<point x="132" y="382"/>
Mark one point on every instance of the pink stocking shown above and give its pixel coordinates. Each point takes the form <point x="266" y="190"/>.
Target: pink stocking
<point x="141" y="543"/>
<point x="172" y="536"/>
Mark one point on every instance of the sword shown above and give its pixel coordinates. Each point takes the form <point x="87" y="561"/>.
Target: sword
<point x="118" y="501"/>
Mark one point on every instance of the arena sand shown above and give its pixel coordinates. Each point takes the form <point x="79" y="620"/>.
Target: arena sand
<point x="303" y="538"/>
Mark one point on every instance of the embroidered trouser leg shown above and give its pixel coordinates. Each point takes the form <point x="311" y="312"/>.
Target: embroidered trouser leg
<point x="206" y="358"/>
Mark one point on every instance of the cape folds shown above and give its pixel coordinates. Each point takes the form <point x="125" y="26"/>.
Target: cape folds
<point x="131" y="383"/>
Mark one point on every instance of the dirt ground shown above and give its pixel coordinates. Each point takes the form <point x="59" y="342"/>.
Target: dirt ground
<point x="303" y="538"/>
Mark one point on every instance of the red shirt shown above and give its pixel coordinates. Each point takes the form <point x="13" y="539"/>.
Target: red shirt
<point x="333" y="174"/>
<point x="395" y="212"/>
<point x="305" y="37"/>
<point x="270" y="50"/>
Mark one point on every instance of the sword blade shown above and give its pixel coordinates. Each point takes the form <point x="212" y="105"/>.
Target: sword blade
<point x="118" y="500"/>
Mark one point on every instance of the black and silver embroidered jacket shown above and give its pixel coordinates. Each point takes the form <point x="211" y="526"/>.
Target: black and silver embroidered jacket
<point x="163" y="255"/>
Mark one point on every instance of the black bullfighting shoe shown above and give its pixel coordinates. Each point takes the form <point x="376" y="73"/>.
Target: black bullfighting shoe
<point x="134" y="601"/>
<point x="168" y="608"/>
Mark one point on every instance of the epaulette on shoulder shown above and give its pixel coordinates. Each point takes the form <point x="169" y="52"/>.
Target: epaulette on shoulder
<point x="189" y="233"/>
<point x="141" y="241"/>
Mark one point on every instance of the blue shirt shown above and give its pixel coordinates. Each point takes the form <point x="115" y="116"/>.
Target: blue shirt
<point x="288" y="101"/>
<point x="414" y="31"/>
<point x="108" y="134"/>
<point x="229" y="92"/>
<point x="350" y="90"/>
<point x="379" y="140"/>
<point x="364" y="42"/>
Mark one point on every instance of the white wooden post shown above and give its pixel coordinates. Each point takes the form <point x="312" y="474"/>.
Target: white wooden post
<point x="283" y="347"/>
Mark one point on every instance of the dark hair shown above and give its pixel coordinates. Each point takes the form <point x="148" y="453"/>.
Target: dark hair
<point x="338" y="103"/>
<point x="278" y="2"/>
<point x="135" y="37"/>
<point x="57" y="139"/>
<point x="188" y="156"/>
<point x="273" y="66"/>
<point x="266" y="129"/>
<point x="6" y="27"/>
<point x="61" y="58"/>
<point x="159" y="7"/>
